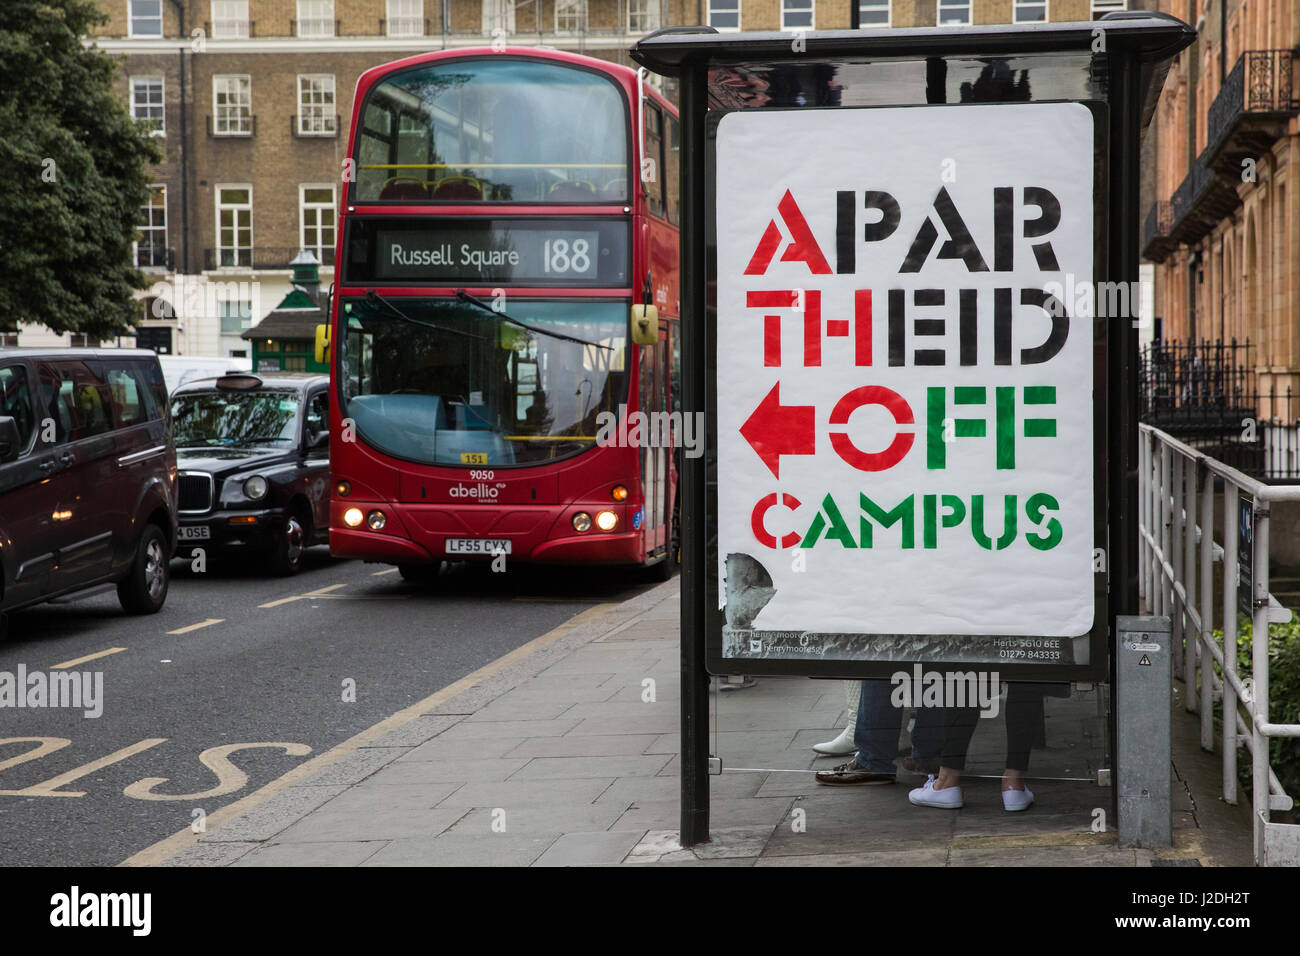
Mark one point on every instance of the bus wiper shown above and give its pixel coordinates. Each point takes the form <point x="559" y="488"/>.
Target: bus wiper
<point x="372" y="297"/>
<point x="475" y="300"/>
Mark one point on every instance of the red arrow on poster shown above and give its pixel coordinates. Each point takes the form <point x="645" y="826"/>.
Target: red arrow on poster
<point x="775" y="430"/>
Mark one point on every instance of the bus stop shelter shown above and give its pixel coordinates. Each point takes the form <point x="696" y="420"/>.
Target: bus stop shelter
<point x="897" y="221"/>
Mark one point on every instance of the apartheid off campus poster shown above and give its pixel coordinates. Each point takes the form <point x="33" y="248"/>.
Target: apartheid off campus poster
<point x="905" y="394"/>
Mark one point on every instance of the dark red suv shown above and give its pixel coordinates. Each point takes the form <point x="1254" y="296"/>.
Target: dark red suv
<point x="87" y="476"/>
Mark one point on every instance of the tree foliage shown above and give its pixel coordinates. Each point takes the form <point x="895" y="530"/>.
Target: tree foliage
<point x="73" y="174"/>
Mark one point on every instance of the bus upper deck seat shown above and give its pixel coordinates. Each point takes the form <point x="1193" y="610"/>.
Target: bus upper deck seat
<point x="457" y="187"/>
<point x="574" y="190"/>
<point x="402" y="188"/>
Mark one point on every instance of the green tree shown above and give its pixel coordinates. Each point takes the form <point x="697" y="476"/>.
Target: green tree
<point x="73" y="174"/>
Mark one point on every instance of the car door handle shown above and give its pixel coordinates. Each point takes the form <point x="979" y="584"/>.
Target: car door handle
<point x="67" y="458"/>
<point x="48" y="466"/>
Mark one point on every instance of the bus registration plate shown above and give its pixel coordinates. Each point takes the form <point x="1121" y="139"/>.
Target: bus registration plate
<point x="478" y="545"/>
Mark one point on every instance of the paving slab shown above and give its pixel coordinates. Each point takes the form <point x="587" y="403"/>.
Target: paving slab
<point x="552" y="820"/>
<point x="347" y="825"/>
<point x="577" y="768"/>
<point x="604" y="848"/>
<point x="312" y="854"/>
<point x="270" y="817"/>
<point x="492" y="849"/>
<point x="918" y="856"/>
<point x="454" y="771"/>
<point x="528" y="793"/>
<point x="583" y="745"/>
<point x="506" y="729"/>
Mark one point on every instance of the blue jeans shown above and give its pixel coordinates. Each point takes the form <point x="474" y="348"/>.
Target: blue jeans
<point x="879" y="723"/>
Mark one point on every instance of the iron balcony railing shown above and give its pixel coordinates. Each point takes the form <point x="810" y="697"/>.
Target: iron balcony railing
<point x="1155" y="227"/>
<point x="260" y="257"/>
<point x="1261" y="81"/>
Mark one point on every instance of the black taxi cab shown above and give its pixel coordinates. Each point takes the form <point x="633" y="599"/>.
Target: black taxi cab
<point x="252" y="456"/>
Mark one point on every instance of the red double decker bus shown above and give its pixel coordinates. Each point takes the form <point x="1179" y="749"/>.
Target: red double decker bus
<point x="506" y="218"/>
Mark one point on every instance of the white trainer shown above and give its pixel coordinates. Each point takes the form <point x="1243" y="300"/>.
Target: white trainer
<point x="841" y="745"/>
<point x="1014" y="800"/>
<point x="949" y="798"/>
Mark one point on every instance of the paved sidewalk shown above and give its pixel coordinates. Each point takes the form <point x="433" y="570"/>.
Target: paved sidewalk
<point x="565" y="753"/>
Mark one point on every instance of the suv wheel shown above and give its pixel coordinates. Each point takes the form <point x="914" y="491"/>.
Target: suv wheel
<point x="144" y="589"/>
<point x="286" y="556"/>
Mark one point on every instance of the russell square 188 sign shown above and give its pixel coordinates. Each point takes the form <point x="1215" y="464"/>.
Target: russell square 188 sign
<point x="905" y="432"/>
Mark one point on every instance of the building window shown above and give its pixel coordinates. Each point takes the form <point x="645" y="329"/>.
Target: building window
<point x="151" y="247"/>
<point x="80" y="340"/>
<point x="405" y="18"/>
<point x="234" y="226"/>
<point x="643" y="16"/>
<point x="147" y="101"/>
<point x="796" y="14"/>
<point x="954" y="13"/>
<point x="1030" y="11"/>
<point x="316" y="221"/>
<point x="236" y="316"/>
<point x="316" y="116"/>
<point x="315" y="18"/>
<point x="569" y="16"/>
<point x="873" y="13"/>
<point x="1102" y="7"/>
<point x="230" y="19"/>
<point x="232" y="105"/>
<point x="498" y="17"/>
<point x="724" y="14"/>
<point x="145" y="18"/>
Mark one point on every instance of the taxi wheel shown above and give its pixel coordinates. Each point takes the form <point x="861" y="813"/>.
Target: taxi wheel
<point x="423" y="574"/>
<point x="144" y="589"/>
<point x="286" y="556"/>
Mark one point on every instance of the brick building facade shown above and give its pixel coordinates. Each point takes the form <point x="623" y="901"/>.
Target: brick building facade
<point x="252" y="100"/>
<point x="1223" y="215"/>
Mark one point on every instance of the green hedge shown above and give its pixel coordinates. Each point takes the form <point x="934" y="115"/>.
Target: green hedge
<point x="1284" y="704"/>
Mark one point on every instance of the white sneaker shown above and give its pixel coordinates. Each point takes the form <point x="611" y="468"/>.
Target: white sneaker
<point x="949" y="798"/>
<point x="843" y="744"/>
<point x="1013" y="800"/>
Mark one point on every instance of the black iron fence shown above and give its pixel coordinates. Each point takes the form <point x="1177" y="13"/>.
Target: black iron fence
<point x="1261" y="81"/>
<point x="1207" y="394"/>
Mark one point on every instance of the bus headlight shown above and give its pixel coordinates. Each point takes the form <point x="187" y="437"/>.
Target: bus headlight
<point x="618" y="493"/>
<point x="376" y="520"/>
<point x="606" y="520"/>
<point x="582" y="521"/>
<point x="255" y="488"/>
<point x="352" y="517"/>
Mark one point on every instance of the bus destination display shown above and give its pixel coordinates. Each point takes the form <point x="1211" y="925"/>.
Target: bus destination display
<point x="518" y="252"/>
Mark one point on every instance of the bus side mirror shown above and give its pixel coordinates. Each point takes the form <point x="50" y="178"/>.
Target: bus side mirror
<point x="322" y="344"/>
<point x="645" y="325"/>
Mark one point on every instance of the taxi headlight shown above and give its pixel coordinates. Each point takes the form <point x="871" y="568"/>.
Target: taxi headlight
<point x="255" y="488"/>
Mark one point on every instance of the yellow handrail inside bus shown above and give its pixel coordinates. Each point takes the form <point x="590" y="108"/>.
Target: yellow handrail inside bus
<point x="549" y="437"/>
<point x="494" y="166"/>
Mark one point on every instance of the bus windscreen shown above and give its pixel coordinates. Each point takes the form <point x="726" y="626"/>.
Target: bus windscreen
<point x="498" y="130"/>
<point x="447" y="382"/>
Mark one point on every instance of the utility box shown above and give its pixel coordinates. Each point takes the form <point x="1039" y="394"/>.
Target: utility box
<point x="1143" y="678"/>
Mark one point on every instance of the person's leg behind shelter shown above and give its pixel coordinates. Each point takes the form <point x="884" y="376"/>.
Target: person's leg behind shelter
<point x="875" y="734"/>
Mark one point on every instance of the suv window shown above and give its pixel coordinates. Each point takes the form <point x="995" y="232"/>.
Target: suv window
<point x="81" y="403"/>
<point x="16" y="401"/>
<point x="130" y="394"/>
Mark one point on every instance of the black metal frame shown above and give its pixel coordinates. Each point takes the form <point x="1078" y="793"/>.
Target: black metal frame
<point x="1138" y="48"/>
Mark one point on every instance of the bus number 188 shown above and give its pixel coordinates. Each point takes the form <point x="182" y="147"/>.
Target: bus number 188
<point x="559" y="256"/>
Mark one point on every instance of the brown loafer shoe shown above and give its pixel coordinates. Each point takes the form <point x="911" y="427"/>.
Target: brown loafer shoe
<point x="851" y="775"/>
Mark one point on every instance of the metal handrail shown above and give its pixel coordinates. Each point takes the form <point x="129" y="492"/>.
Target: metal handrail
<point x="1176" y="527"/>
